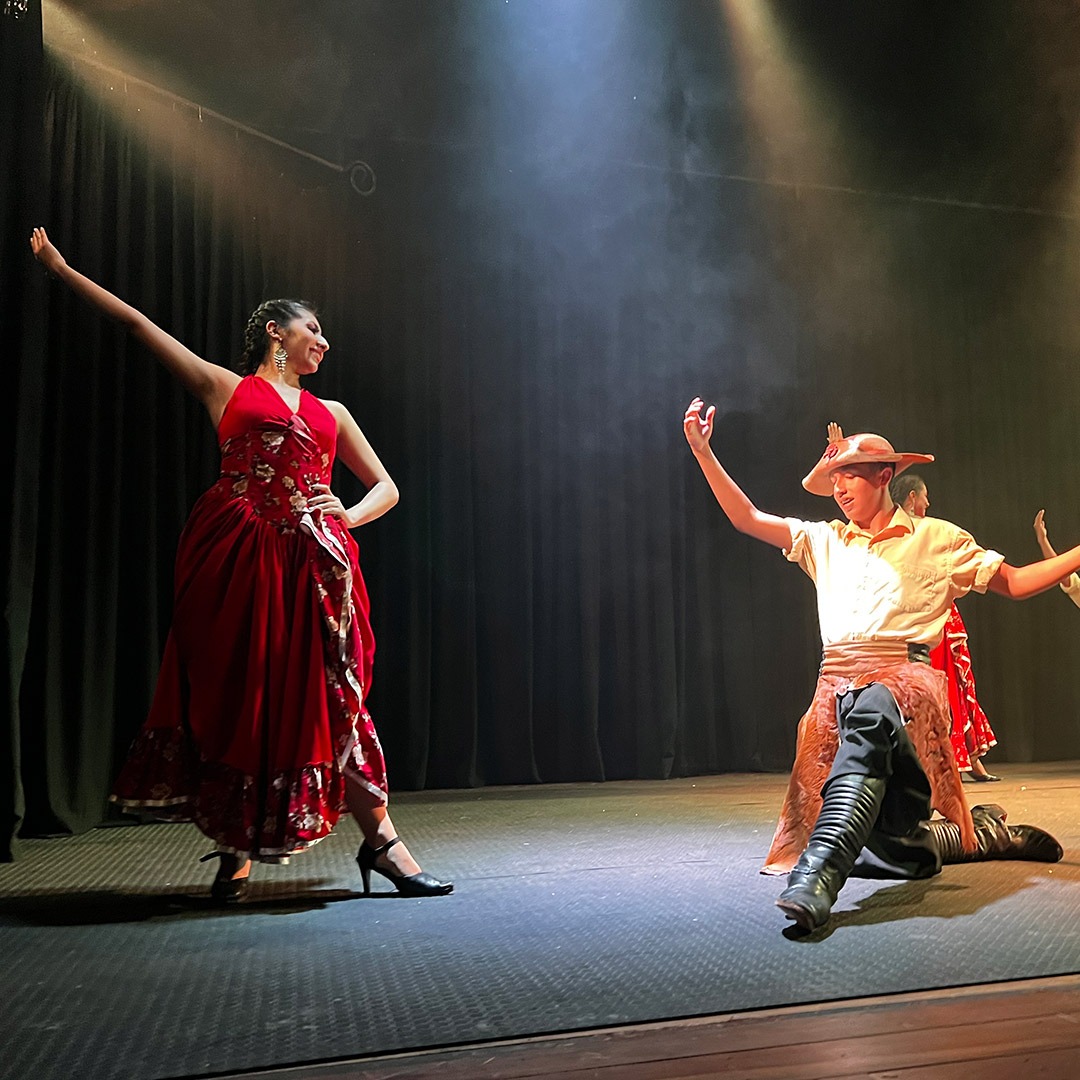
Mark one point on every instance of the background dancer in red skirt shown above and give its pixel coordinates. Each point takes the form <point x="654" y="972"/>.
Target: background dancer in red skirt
<point x="971" y="733"/>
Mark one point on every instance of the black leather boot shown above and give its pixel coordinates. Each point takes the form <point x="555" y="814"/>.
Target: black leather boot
<point x="849" y="808"/>
<point x="996" y="839"/>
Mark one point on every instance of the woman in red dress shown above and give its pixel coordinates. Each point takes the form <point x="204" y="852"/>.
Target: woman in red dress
<point x="258" y="732"/>
<point x="971" y="733"/>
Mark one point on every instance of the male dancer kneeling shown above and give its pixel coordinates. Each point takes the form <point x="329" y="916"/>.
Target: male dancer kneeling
<point x="885" y="583"/>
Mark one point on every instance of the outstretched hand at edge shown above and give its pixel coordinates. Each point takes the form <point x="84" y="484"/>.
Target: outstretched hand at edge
<point x="1039" y="525"/>
<point x="1047" y="549"/>
<point x="44" y="251"/>
<point x="698" y="429"/>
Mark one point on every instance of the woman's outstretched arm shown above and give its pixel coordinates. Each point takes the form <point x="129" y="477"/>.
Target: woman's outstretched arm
<point x="210" y="383"/>
<point x="741" y="512"/>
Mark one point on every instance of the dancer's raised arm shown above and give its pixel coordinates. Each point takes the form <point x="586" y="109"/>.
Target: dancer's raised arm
<point x="210" y="383"/>
<point x="741" y="512"/>
<point x="1070" y="583"/>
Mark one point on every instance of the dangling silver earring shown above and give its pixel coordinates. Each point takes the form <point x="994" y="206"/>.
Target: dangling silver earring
<point x="280" y="356"/>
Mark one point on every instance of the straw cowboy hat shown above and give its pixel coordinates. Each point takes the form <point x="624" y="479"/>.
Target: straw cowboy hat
<point x="854" y="449"/>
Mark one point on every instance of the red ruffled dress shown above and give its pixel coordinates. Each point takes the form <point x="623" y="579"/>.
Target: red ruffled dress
<point x="259" y="708"/>
<point x="970" y="733"/>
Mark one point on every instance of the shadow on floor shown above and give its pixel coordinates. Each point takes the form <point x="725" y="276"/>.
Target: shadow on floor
<point x="895" y="902"/>
<point x="105" y="907"/>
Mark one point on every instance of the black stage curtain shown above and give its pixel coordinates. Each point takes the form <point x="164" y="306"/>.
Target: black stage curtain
<point x="22" y="323"/>
<point x="557" y="597"/>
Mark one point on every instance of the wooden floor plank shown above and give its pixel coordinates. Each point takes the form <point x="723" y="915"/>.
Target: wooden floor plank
<point x="995" y="1032"/>
<point x="862" y="1053"/>
<point x="1061" y="1064"/>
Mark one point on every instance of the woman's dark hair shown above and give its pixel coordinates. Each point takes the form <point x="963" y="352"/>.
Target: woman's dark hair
<point x="903" y="485"/>
<point x="257" y="340"/>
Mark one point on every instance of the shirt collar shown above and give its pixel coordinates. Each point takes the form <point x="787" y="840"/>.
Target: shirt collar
<point x="900" y="524"/>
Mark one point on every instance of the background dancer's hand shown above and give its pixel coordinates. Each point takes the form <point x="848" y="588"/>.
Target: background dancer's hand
<point x="44" y="251"/>
<point x="835" y="431"/>
<point x="697" y="428"/>
<point x="1039" y="525"/>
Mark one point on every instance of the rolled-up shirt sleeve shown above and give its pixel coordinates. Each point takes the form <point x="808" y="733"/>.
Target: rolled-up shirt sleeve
<point x="1071" y="588"/>
<point x="801" y="551"/>
<point x="972" y="566"/>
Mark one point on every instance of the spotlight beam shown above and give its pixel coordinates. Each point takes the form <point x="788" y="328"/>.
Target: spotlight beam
<point x="201" y="111"/>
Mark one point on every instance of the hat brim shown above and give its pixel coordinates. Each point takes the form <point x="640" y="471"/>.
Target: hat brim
<point x="817" y="481"/>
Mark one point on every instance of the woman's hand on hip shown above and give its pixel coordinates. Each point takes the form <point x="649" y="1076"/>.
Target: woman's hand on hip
<point x="327" y="503"/>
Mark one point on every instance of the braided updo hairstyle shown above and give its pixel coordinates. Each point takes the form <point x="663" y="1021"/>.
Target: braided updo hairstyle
<point x="257" y="340"/>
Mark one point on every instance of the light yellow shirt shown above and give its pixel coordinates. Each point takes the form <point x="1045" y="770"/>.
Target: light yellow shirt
<point x="895" y="585"/>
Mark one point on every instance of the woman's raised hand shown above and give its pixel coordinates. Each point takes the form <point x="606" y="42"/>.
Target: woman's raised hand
<point x="835" y="432"/>
<point x="697" y="428"/>
<point x="44" y="251"/>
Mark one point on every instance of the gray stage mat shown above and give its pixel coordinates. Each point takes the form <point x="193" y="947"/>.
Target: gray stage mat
<point x="576" y="906"/>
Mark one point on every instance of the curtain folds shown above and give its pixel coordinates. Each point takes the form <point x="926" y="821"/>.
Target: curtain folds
<point x="22" y="325"/>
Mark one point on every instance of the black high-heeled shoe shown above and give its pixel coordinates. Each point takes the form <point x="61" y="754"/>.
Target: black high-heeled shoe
<point x="225" y="889"/>
<point x="407" y="884"/>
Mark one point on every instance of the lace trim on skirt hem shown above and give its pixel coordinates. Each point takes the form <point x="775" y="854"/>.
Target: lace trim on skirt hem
<point x="270" y="821"/>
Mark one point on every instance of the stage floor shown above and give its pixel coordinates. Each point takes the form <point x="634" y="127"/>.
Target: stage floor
<point x="576" y="907"/>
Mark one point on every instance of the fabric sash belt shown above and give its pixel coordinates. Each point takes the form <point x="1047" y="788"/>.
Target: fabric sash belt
<point x="847" y="657"/>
